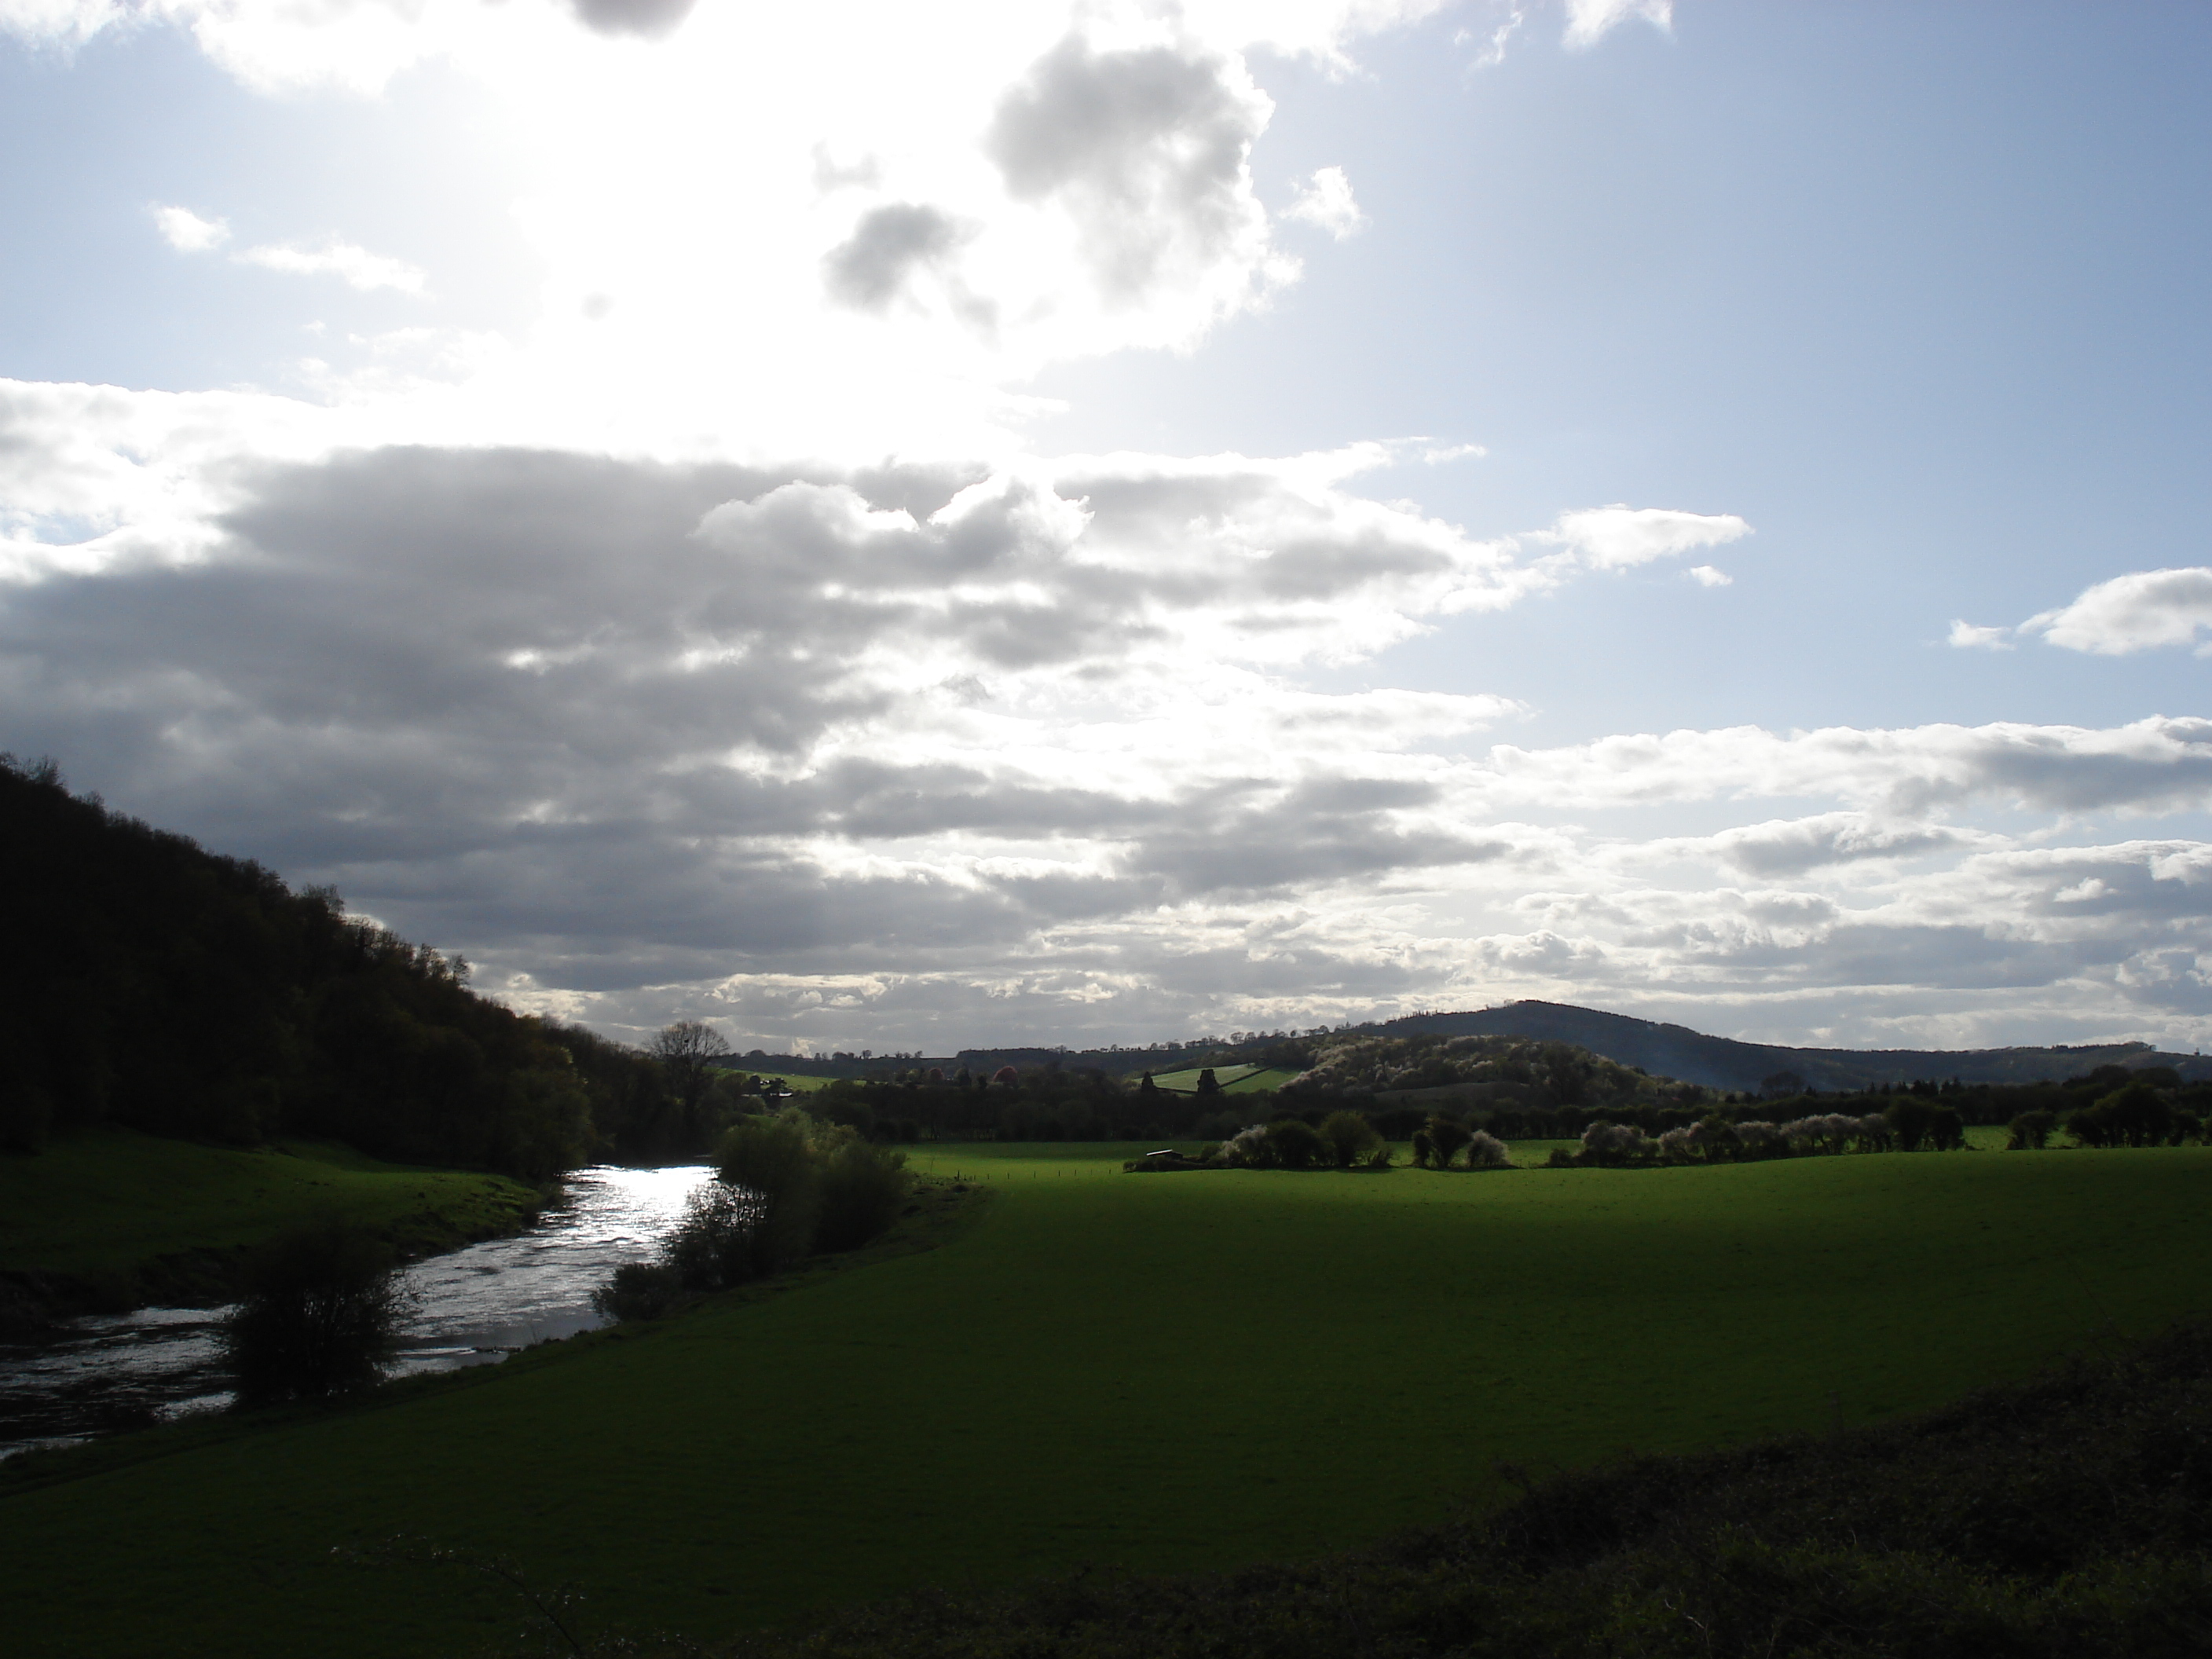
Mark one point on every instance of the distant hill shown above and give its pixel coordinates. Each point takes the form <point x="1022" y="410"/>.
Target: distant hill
<point x="1676" y="1051"/>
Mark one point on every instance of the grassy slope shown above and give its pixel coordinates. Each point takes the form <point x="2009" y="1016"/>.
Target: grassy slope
<point x="104" y="1208"/>
<point x="1166" y="1371"/>
<point x="1233" y="1079"/>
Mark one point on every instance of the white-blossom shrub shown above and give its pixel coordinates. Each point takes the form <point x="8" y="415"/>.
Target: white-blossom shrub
<point x="1615" y="1143"/>
<point x="1487" y="1152"/>
<point x="1247" y="1149"/>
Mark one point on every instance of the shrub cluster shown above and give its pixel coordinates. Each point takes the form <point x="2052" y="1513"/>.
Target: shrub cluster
<point x="786" y="1187"/>
<point x="1909" y="1124"/>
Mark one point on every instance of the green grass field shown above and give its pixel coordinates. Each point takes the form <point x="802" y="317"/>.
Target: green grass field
<point x="1163" y="1372"/>
<point x="1233" y="1079"/>
<point x="114" y="1207"/>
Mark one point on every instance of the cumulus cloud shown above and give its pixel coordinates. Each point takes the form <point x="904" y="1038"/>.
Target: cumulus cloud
<point x="2152" y="765"/>
<point x="1589" y="22"/>
<point x="1966" y="637"/>
<point x="353" y="265"/>
<point x="1325" y="202"/>
<point x="1146" y="150"/>
<point x="888" y="245"/>
<point x="2141" y="611"/>
<point x="800" y="713"/>
<point x="930" y="222"/>
<point x="1793" y="847"/>
<point x="835" y="752"/>
<point x="1618" y="537"/>
<point x="1706" y="576"/>
<point x="186" y="232"/>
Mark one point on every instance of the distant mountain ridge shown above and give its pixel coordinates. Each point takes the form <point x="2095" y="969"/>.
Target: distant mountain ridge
<point x="1718" y="1062"/>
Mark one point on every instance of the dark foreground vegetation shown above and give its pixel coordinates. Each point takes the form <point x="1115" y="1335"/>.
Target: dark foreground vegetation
<point x="2068" y="1516"/>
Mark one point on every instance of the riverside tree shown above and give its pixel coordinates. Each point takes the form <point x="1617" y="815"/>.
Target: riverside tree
<point x="686" y="1052"/>
<point x="321" y="1314"/>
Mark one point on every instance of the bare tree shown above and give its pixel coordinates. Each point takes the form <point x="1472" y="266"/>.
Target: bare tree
<point x="686" y="1052"/>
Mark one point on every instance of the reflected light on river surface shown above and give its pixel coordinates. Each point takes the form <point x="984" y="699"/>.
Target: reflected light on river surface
<point x="474" y="1306"/>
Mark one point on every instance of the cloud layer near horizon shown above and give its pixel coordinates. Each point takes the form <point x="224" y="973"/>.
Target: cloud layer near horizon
<point x="920" y="755"/>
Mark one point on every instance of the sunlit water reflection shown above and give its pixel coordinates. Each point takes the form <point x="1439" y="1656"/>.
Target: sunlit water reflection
<point x="476" y="1305"/>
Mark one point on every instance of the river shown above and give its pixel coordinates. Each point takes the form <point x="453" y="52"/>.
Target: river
<point x="474" y="1306"/>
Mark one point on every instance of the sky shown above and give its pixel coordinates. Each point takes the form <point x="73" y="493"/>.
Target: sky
<point x="920" y="527"/>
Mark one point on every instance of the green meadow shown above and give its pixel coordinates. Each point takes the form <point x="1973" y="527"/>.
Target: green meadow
<point x="1233" y="1079"/>
<point x="1165" y="1372"/>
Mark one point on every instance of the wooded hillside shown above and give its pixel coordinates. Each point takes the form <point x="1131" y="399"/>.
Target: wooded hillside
<point x="151" y="983"/>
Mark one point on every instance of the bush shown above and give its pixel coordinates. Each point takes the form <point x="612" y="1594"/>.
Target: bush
<point x="862" y="1189"/>
<point x="1486" y="1152"/>
<point x="2135" y="1115"/>
<point x="1615" y="1143"/>
<point x="715" y="1245"/>
<point x="1350" y="1138"/>
<point x="1446" y="1136"/>
<point x="639" y="1290"/>
<point x="2030" y="1131"/>
<point x="773" y="1159"/>
<point x="1910" y="1121"/>
<point x="321" y="1314"/>
<point x="1248" y="1149"/>
<point x="1295" y="1144"/>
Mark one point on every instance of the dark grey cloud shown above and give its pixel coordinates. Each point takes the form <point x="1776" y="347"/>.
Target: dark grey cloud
<point x="871" y="267"/>
<point x="592" y="720"/>
<point x="1793" y="847"/>
<point x="649" y="18"/>
<point x="1145" y="148"/>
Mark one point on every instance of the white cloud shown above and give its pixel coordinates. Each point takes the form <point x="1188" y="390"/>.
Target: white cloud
<point x="1327" y="203"/>
<point x="1493" y="49"/>
<point x="2158" y="764"/>
<point x="1966" y="637"/>
<point x="2141" y="611"/>
<point x="1616" y="538"/>
<point x="1589" y="22"/>
<point x="355" y="265"/>
<point x="836" y="752"/>
<point x="186" y="232"/>
<point x="1706" y="575"/>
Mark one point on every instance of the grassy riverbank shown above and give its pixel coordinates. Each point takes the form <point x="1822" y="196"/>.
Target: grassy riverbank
<point x="111" y="1217"/>
<point x="1170" y="1372"/>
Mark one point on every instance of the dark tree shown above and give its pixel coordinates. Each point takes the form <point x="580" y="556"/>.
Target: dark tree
<point x="1350" y="1137"/>
<point x="321" y="1315"/>
<point x="686" y="1052"/>
<point x="1446" y="1136"/>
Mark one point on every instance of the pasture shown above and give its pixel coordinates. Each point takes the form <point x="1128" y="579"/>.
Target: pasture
<point x="1163" y="1372"/>
<point x="1233" y="1079"/>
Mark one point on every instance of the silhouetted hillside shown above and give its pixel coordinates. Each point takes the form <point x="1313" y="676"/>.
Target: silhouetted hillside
<point x="1676" y="1051"/>
<point x="148" y="982"/>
